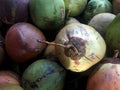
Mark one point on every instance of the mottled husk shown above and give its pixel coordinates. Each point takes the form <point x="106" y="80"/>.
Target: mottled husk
<point x="95" y="46"/>
<point x="47" y="15"/>
<point x="43" y="75"/>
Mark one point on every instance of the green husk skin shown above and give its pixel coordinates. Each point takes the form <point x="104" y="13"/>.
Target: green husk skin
<point x="43" y="75"/>
<point x="11" y="87"/>
<point x="112" y="36"/>
<point x="47" y="14"/>
<point x="75" y="7"/>
<point x="95" y="7"/>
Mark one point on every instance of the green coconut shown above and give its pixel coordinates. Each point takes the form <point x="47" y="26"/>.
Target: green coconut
<point x="95" y="7"/>
<point x="75" y="7"/>
<point x="11" y="87"/>
<point x="43" y="75"/>
<point x="112" y="36"/>
<point x="47" y="14"/>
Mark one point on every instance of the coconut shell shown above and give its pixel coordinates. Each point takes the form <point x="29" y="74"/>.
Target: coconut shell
<point x="95" y="7"/>
<point x="13" y="11"/>
<point x="75" y="7"/>
<point x="21" y="42"/>
<point x="101" y="21"/>
<point x="47" y="15"/>
<point x="11" y="87"/>
<point x="116" y="6"/>
<point x="87" y="47"/>
<point x="107" y="77"/>
<point x="9" y="77"/>
<point x="43" y="74"/>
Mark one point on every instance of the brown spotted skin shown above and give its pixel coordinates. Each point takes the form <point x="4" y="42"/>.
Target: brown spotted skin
<point x="85" y="45"/>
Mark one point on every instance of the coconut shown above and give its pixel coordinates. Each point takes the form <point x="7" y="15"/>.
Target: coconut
<point x="112" y="36"/>
<point x="81" y="47"/>
<point x="71" y="20"/>
<point x="21" y="42"/>
<point x="11" y="87"/>
<point x="14" y="11"/>
<point x="47" y="15"/>
<point x="75" y="7"/>
<point x="43" y="74"/>
<point x="106" y="76"/>
<point x="101" y="22"/>
<point x="9" y="77"/>
<point x="95" y="7"/>
<point x="116" y="6"/>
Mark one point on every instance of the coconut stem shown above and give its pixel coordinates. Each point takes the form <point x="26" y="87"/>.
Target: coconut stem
<point x="52" y="43"/>
<point x="61" y="45"/>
